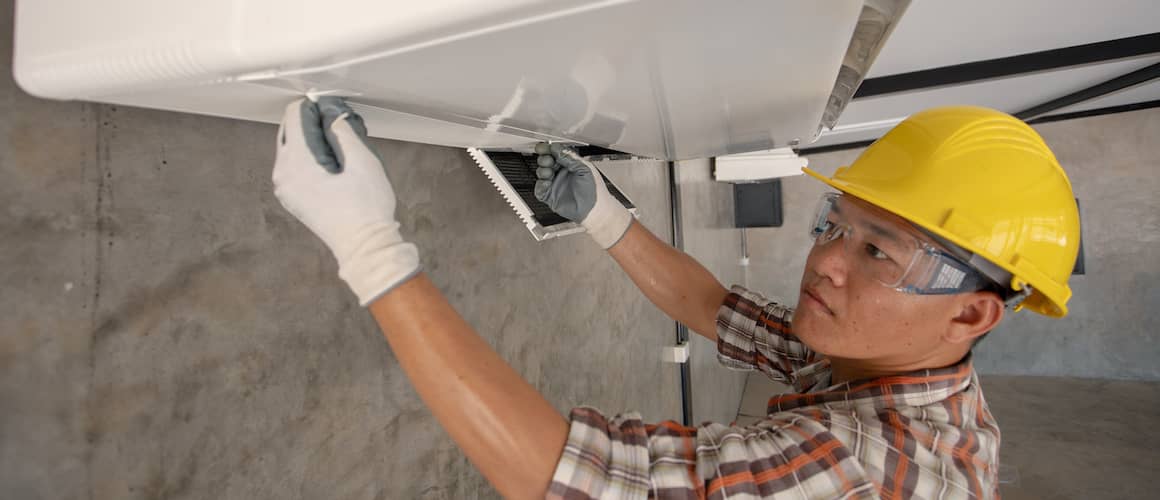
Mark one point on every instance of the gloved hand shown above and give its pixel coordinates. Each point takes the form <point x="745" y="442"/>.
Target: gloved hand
<point x="573" y="188"/>
<point x="327" y="177"/>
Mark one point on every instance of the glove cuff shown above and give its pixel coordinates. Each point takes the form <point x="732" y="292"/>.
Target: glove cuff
<point x="379" y="263"/>
<point x="607" y="222"/>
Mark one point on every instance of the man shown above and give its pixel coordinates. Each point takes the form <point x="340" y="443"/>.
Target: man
<point x="952" y="218"/>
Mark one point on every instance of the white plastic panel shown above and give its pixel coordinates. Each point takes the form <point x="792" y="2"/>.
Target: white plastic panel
<point x="668" y="79"/>
<point x="79" y="48"/>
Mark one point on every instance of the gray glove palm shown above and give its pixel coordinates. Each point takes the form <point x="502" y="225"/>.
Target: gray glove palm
<point x="573" y="188"/>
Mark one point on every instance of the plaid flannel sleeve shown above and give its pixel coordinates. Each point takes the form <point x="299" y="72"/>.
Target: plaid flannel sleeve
<point x="754" y="333"/>
<point x="791" y="453"/>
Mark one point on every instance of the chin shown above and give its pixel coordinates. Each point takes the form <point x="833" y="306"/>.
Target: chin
<point x="805" y="328"/>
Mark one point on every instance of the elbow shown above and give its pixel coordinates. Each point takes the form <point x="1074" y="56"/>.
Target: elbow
<point x="710" y="308"/>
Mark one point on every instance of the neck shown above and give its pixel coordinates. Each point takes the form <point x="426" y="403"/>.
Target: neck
<point x="846" y="370"/>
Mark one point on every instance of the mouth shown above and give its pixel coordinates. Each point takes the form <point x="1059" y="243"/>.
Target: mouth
<point x="810" y="294"/>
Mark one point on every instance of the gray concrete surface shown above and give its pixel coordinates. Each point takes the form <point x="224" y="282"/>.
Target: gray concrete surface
<point x="1073" y="438"/>
<point x="1113" y="329"/>
<point x="167" y="330"/>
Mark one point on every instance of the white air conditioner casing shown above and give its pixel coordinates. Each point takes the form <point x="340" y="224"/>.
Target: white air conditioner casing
<point x="667" y="79"/>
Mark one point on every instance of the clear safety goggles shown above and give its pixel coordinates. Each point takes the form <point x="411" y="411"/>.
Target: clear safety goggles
<point x="897" y="259"/>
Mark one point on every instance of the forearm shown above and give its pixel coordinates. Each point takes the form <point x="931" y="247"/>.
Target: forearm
<point x="510" y="432"/>
<point x="671" y="279"/>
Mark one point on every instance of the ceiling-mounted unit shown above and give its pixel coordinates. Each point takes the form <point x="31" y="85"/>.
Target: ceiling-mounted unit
<point x="667" y="79"/>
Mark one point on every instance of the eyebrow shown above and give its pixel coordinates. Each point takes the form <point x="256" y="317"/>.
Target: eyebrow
<point x="882" y="231"/>
<point x="874" y="228"/>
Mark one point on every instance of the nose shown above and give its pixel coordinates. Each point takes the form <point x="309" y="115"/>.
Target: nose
<point x="830" y="260"/>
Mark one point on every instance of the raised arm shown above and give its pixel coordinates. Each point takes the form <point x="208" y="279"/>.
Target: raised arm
<point x="331" y="181"/>
<point x="509" y="431"/>
<point x="671" y="279"/>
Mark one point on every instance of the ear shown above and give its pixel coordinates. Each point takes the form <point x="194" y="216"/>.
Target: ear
<point x="978" y="313"/>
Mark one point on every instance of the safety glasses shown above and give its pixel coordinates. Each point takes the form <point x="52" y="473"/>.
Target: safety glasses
<point x="897" y="259"/>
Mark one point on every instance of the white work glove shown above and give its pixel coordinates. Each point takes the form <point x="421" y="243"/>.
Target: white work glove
<point x="573" y="188"/>
<point x="327" y="177"/>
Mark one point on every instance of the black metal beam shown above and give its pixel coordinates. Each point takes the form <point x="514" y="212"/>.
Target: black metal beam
<point x="682" y="331"/>
<point x="834" y="147"/>
<point x="590" y="150"/>
<point x="1079" y="267"/>
<point x="1009" y="66"/>
<point x="1095" y="112"/>
<point x="1100" y="89"/>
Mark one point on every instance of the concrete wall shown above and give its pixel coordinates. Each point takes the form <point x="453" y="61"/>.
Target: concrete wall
<point x="1113" y="330"/>
<point x="168" y="330"/>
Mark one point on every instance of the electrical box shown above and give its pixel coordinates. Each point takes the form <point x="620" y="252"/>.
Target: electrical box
<point x="757" y="204"/>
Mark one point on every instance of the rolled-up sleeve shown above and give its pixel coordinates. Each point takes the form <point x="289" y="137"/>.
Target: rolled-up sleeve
<point x="623" y="457"/>
<point x="754" y="333"/>
<point x="603" y="458"/>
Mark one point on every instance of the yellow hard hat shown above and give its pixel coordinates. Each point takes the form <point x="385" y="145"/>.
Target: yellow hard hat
<point x="985" y="181"/>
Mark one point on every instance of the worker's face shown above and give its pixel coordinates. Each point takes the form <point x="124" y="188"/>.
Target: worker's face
<point x="844" y="313"/>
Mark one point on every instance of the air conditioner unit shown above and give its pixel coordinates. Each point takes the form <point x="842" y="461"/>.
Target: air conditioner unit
<point x="667" y="79"/>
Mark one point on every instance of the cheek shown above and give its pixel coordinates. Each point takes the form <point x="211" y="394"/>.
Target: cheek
<point x="891" y="324"/>
<point x="879" y="321"/>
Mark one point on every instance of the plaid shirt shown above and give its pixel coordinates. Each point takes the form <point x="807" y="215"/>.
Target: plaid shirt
<point x="925" y="434"/>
